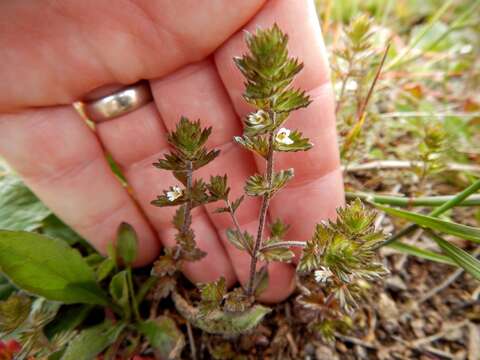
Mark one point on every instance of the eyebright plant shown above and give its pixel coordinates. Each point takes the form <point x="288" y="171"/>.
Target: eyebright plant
<point x="47" y="309"/>
<point x="339" y="255"/>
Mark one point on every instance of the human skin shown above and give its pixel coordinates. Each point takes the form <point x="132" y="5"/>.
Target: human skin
<point x="56" y="52"/>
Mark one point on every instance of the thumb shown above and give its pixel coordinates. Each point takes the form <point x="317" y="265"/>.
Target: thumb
<point x="57" y="51"/>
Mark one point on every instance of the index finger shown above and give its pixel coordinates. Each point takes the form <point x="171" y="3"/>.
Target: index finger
<point x="317" y="188"/>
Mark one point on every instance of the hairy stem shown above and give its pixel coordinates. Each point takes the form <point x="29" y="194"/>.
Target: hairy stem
<point x="187" y="216"/>
<point x="188" y="207"/>
<point x="263" y="214"/>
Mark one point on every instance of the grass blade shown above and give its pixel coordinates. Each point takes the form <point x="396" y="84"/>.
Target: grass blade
<point x="403" y="201"/>
<point x="469" y="263"/>
<point x="422" y="253"/>
<point x="457" y="199"/>
<point x="430" y="222"/>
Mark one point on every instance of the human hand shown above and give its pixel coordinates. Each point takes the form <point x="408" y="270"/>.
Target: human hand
<point x="54" y="53"/>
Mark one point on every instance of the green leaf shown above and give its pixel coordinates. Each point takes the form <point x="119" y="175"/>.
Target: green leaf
<point x="309" y="260"/>
<point x="20" y="209"/>
<point x="267" y="67"/>
<point x="49" y="268"/>
<point x="105" y="268"/>
<point x="299" y="143"/>
<point x="92" y="341"/>
<point x="127" y="243"/>
<point x="278" y="229"/>
<point x="237" y="203"/>
<point x="242" y="241"/>
<point x="448" y="227"/>
<point x="290" y="100"/>
<point x="119" y="291"/>
<point x="164" y="336"/>
<point x="218" y="187"/>
<point x="421" y="253"/>
<point x="189" y="137"/>
<point x="256" y="144"/>
<point x="257" y="185"/>
<point x="469" y="263"/>
<point x="212" y="295"/>
<point x="219" y="322"/>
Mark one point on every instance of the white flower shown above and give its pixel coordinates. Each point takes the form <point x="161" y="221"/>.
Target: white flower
<point x="258" y="118"/>
<point x="174" y="193"/>
<point x="465" y="49"/>
<point x="283" y="137"/>
<point x="322" y="275"/>
<point x="351" y="85"/>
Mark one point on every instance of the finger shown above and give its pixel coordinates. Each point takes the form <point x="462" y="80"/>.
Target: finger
<point x="197" y="92"/>
<point x="317" y="187"/>
<point x="67" y="48"/>
<point x="137" y="140"/>
<point x="61" y="160"/>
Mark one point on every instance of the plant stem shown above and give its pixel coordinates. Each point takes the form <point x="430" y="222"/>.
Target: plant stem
<point x="263" y="214"/>
<point x="188" y="207"/>
<point x="132" y="295"/>
<point x="187" y="216"/>
<point x="431" y="201"/>
<point x="454" y="201"/>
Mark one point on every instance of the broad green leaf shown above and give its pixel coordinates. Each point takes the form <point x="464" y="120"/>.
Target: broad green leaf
<point x="421" y="253"/>
<point x="92" y="341"/>
<point x="48" y="267"/>
<point x="164" y="336"/>
<point x="469" y="263"/>
<point x="20" y="209"/>
<point x="219" y="322"/>
<point x="448" y="227"/>
<point x="127" y="243"/>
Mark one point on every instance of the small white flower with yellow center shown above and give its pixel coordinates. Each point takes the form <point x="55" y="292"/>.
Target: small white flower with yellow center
<point x="174" y="193"/>
<point x="322" y="275"/>
<point x="258" y="118"/>
<point x="283" y="137"/>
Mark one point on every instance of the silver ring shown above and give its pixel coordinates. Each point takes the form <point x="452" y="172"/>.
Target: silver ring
<point x="119" y="103"/>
